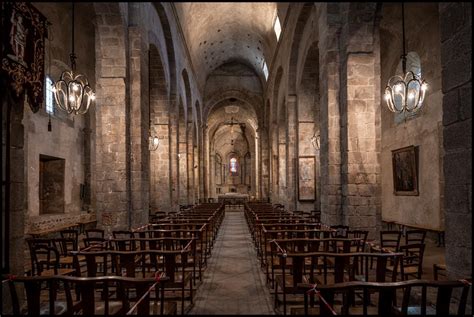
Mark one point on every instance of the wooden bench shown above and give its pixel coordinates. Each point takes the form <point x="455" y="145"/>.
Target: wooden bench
<point x="403" y="227"/>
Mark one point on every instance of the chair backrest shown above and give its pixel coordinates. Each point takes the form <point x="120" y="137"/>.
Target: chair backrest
<point x="134" y="295"/>
<point x="316" y="215"/>
<point x="69" y="233"/>
<point x="341" y="231"/>
<point x="123" y="240"/>
<point x="386" y="305"/>
<point x="95" y="233"/>
<point x="65" y="245"/>
<point x="95" y="243"/>
<point x="415" y="236"/>
<point x="32" y="242"/>
<point x="413" y="257"/>
<point x="358" y="234"/>
<point x="45" y="258"/>
<point x="36" y="293"/>
<point x="390" y="239"/>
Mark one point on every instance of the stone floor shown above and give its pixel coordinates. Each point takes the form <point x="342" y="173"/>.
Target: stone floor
<point x="233" y="283"/>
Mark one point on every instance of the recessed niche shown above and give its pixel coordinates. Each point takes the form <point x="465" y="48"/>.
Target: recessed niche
<point x="51" y="184"/>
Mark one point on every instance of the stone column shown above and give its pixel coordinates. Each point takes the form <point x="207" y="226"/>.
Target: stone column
<point x="265" y="164"/>
<point x="173" y="155"/>
<point x="190" y="165"/>
<point x="206" y="168"/>
<point x="360" y="119"/>
<point x="456" y="61"/>
<point x="292" y="150"/>
<point x="111" y="105"/>
<point x="139" y="124"/>
<point x="361" y="171"/>
<point x="330" y="152"/>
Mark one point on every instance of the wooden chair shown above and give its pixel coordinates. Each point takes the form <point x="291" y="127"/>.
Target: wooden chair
<point x="341" y="231"/>
<point x="415" y="236"/>
<point x="37" y="289"/>
<point x="65" y="246"/>
<point x="46" y="260"/>
<point x="95" y="233"/>
<point x="32" y="242"/>
<point x="316" y="214"/>
<point x="412" y="263"/>
<point x="123" y="240"/>
<point x="358" y="234"/>
<point x="390" y="240"/>
<point x="130" y="296"/>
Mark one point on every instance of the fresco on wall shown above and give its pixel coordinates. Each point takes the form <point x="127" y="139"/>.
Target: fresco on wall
<point x="306" y="178"/>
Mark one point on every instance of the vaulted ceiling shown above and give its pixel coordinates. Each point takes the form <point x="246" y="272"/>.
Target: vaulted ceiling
<point x="217" y="33"/>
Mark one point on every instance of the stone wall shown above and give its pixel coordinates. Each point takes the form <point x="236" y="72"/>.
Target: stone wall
<point x="456" y="61"/>
<point x="424" y="130"/>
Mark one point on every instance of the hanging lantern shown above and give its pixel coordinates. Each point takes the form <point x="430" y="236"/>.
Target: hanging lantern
<point x="405" y="93"/>
<point x="72" y="91"/>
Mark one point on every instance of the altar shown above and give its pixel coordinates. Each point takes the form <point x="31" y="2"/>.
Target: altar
<point x="233" y="198"/>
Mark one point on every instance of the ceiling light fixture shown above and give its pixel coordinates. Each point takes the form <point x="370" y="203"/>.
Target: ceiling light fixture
<point x="72" y="91"/>
<point x="405" y="94"/>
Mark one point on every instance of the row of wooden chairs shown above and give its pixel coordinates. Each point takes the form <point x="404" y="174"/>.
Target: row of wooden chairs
<point x="177" y="245"/>
<point x="294" y="250"/>
<point x="382" y="299"/>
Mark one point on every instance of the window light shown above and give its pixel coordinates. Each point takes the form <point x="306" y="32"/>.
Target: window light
<point x="265" y="70"/>
<point x="49" y="95"/>
<point x="277" y="27"/>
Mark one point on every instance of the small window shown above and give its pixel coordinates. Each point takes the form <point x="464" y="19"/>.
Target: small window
<point x="49" y="95"/>
<point x="265" y="70"/>
<point x="233" y="165"/>
<point x="277" y="27"/>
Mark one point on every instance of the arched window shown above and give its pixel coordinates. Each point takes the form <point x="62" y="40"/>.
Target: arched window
<point x="233" y="165"/>
<point x="265" y="70"/>
<point x="49" y="98"/>
<point x="277" y="27"/>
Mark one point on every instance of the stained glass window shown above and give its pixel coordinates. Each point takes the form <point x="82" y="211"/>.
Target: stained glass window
<point x="233" y="165"/>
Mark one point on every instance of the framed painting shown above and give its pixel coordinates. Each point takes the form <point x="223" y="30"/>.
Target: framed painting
<point x="306" y="178"/>
<point x="405" y="171"/>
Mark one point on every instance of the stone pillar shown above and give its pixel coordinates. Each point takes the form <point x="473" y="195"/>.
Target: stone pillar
<point x="456" y="61"/>
<point x="329" y="62"/>
<point x="190" y="161"/>
<point x="292" y="150"/>
<point x="265" y="164"/>
<point x="111" y="120"/>
<point x="206" y="168"/>
<point x="182" y="166"/>
<point x="139" y="128"/>
<point x="160" y="160"/>
<point x="360" y="171"/>
<point x="173" y="154"/>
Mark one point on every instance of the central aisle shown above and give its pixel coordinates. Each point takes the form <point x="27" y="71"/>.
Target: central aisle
<point x="233" y="284"/>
